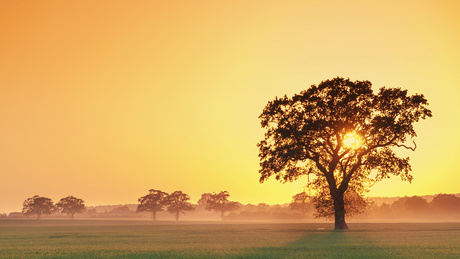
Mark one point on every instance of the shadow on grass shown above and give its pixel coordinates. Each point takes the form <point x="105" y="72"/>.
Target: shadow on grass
<point x="321" y="244"/>
<point x="327" y="244"/>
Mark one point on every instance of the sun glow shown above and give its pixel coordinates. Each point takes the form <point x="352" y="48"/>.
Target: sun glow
<point x="352" y="140"/>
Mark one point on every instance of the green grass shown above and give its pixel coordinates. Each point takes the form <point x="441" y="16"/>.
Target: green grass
<point x="143" y="239"/>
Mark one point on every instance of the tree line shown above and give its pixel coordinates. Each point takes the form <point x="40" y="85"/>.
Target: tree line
<point x="156" y="200"/>
<point x="442" y="206"/>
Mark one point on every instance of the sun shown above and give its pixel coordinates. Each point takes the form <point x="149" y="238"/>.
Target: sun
<point x="352" y="140"/>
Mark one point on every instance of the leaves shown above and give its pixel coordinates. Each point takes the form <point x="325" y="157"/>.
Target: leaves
<point x="154" y="201"/>
<point x="305" y="134"/>
<point x="220" y="202"/>
<point x="178" y="202"/>
<point x="71" y="205"/>
<point x="37" y="206"/>
<point x="301" y="202"/>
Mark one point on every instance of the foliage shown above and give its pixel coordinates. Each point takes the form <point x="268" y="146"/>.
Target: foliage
<point x="309" y="134"/>
<point x="154" y="201"/>
<point x="301" y="202"/>
<point x="219" y="202"/>
<point x="204" y="199"/>
<point x="71" y="205"/>
<point x="178" y="202"/>
<point x="37" y="206"/>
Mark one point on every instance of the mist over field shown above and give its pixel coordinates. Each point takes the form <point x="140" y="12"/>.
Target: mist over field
<point x="379" y="209"/>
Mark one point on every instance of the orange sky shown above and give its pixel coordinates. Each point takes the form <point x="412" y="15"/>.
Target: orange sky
<point x="107" y="99"/>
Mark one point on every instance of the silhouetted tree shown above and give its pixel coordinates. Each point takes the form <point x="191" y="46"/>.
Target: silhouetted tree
<point x="71" y="205"/>
<point x="337" y="133"/>
<point x="178" y="202"/>
<point x="219" y="202"/>
<point x="300" y="202"/>
<point x="447" y="204"/>
<point x="204" y="199"/>
<point x="154" y="201"/>
<point x="38" y="205"/>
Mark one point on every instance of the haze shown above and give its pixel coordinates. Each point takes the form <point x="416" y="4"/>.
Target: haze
<point x="105" y="100"/>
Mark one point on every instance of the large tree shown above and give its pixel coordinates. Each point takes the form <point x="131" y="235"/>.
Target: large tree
<point x="38" y="205"/>
<point x="178" y="202"/>
<point x="341" y="135"/>
<point x="71" y="205"/>
<point x="219" y="202"/>
<point x="154" y="201"/>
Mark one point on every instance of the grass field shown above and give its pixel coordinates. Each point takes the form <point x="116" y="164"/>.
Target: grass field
<point x="144" y="239"/>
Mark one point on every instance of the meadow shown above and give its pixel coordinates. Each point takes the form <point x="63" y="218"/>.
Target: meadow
<point x="28" y="238"/>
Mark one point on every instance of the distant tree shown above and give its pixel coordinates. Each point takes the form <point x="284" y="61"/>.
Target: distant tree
<point x="447" y="204"/>
<point x="91" y="212"/>
<point x="262" y="206"/>
<point x="416" y="206"/>
<point x="71" y="205"/>
<point x="178" y="202"/>
<point x="121" y="210"/>
<point x="385" y="210"/>
<point x="203" y="201"/>
<point x="38" y="206"/>
<point x="300" y="202"/>
<point x="154" y="201"/>
<point x="341" y="135"/>
<point x="219" y="202"/>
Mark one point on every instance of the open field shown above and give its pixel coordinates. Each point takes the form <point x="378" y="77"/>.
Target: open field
<point x="144" y="239"/>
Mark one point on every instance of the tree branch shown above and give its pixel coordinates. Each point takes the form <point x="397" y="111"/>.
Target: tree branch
<point x="406" y="147"/>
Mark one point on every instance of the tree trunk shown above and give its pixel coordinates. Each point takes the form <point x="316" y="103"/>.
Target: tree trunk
<point x="177" y="216"/>
<point x="154" y="215"/>
<point x="339" y="207"/>
<point x="73" y="216"/>
<point x="222" y="215"/>
<point x="38" y="216"/>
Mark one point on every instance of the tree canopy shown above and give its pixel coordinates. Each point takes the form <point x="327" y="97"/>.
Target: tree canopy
<point x="178" y="202"/>
<point x="71" y="205"/>
<point x="300" y="202"/>
<point x="154" y="201"/>
<point x="38" y="205"/>
<point x="341" y="135"/>
<point x="219" y="202"/>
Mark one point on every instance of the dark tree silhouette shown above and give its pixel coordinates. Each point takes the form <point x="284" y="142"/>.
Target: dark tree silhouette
<point x="154" y="201"/>
<point x="337" y="133"/>
<point x="300" y="202"/>
<point x="219" y="202"/>
<point x="38" y="206"/>
<point x="178" y="202"/>
<point x="71" y="205"/>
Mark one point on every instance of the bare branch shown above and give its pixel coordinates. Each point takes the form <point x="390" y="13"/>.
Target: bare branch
<point x="406" y="147"/>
